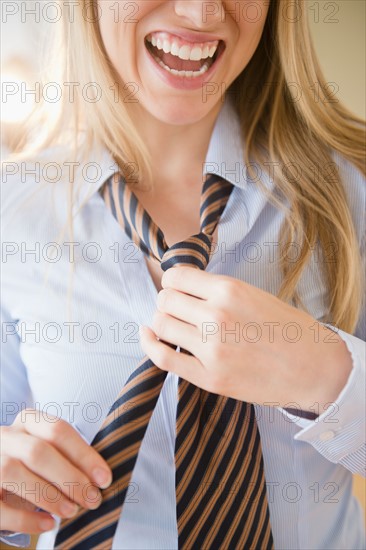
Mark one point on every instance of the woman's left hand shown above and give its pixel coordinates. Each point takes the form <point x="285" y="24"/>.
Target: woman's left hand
<point x="245" y="342"/>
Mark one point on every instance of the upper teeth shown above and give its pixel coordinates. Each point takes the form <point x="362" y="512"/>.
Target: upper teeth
<point x="195" y="52"/>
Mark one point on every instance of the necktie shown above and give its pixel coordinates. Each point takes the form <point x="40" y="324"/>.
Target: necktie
<point x="220" y="488"/>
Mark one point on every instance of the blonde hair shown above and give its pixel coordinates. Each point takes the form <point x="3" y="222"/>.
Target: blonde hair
<point x="279" y="126"/>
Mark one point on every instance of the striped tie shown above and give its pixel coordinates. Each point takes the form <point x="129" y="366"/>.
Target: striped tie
<point x="220" y="488"/>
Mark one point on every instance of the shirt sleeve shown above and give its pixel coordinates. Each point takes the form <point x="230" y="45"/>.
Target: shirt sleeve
<point x="15" y="395"/>
<point x="338" y="433"/>
<point x="15" y="539"/>
<point x="15" y="392"/>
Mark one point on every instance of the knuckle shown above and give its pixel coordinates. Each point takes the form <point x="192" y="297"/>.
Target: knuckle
<point x="164" y="298"/>
<point x="37" y="450"/>
<point x="159" y="324"/>
<point x="48" y="418"/>
<point x="57" y="431"/>
<point x="177" y="275"/>
<point x="28" y="416"/>
<point x="220" y="315"/>
<point x="8" y="468"/>
<point x="4" y="431"/>
<point x="20" y="417"/>
<point x="228" y="290"/>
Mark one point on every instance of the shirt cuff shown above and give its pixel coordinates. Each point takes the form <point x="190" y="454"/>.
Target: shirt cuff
<point x="20" y="540"/>
<point x="338" y="433"/>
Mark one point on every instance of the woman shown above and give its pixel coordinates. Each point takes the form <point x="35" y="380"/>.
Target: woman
<point x="165" y="93"/>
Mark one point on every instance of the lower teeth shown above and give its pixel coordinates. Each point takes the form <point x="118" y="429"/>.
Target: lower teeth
<point x="192" y="74"/>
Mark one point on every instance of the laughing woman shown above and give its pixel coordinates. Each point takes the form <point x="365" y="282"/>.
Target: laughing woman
<point x="182" y="289"/>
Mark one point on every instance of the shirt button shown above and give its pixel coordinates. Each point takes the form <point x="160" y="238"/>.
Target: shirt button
<point x="326" y="436"/>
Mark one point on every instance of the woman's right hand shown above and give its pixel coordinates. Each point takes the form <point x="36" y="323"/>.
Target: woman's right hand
<point x="46" y="464"/>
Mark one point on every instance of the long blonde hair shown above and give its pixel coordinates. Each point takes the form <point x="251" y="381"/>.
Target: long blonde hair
<point x="280" y="126"/>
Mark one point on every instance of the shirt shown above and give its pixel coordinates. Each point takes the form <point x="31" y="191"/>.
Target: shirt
<point x="71" y="311"/>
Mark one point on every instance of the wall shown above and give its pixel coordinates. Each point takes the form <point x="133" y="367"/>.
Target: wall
<point x="338" y="30"/>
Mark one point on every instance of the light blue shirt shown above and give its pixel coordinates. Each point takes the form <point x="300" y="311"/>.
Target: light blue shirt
<point x="72" y="361"/>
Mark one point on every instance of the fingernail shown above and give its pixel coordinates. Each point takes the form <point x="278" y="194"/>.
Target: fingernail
<point x="102" y="477"/>
<point x="69" y="509"/>
<point x="46" y="524"/>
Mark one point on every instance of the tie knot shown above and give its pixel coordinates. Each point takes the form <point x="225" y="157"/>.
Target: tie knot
<point x="194" y="251"/>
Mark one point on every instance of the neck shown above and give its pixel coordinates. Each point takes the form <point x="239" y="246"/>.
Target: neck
<point x="176" y="149"/>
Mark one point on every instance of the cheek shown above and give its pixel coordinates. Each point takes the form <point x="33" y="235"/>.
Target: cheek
<point x="118" y="26"/>
<point x="251" y="24"/>
<point x="110" y="30"/>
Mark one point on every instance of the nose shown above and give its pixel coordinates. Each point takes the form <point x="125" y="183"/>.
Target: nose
<point x="199" y="13"/>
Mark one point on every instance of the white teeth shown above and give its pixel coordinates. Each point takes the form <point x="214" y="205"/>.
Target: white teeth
<point x="184" y="52"/>
<point x="190" y="74"/>
<point x="194" y="52"/>
<point x="175" y="49"/>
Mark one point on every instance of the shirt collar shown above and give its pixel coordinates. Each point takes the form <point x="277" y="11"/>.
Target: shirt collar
<point x="225" y="155"/>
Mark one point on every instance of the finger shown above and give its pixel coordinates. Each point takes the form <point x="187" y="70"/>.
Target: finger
<point x="16" y="502"/>
<point x="65" y="438"/>
<point x="18" y="480"/>
<point x="39" y="457"/>
<point x="183" y="365"/>
<point x="207" y="286"/>
<point x="24" y="521"/>
<point x="189" y="280"/>
<point x="182" y="306"/>
<point x="176" y="332"/>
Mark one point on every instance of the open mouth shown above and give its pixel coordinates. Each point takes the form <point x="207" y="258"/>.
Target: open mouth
<point x="183" y="58"/>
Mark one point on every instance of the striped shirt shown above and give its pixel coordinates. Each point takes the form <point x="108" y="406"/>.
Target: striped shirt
<point x="69" y="354"/>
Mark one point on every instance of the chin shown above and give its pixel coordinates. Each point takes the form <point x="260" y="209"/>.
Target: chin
<point x="179" y="112"/>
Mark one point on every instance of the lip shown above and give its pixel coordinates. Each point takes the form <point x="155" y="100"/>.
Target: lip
<point x="182" y="82"/>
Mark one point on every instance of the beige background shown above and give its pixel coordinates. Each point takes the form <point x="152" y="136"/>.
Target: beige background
<point x="339" y="34"/>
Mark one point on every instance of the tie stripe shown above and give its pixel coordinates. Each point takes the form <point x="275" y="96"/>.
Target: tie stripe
<point x="206" y="512"/>
<point x="194" y="251"/>
<point x="124" y="428"/>
<point x="220" y="488"/>
<point x="134" y="219"/>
